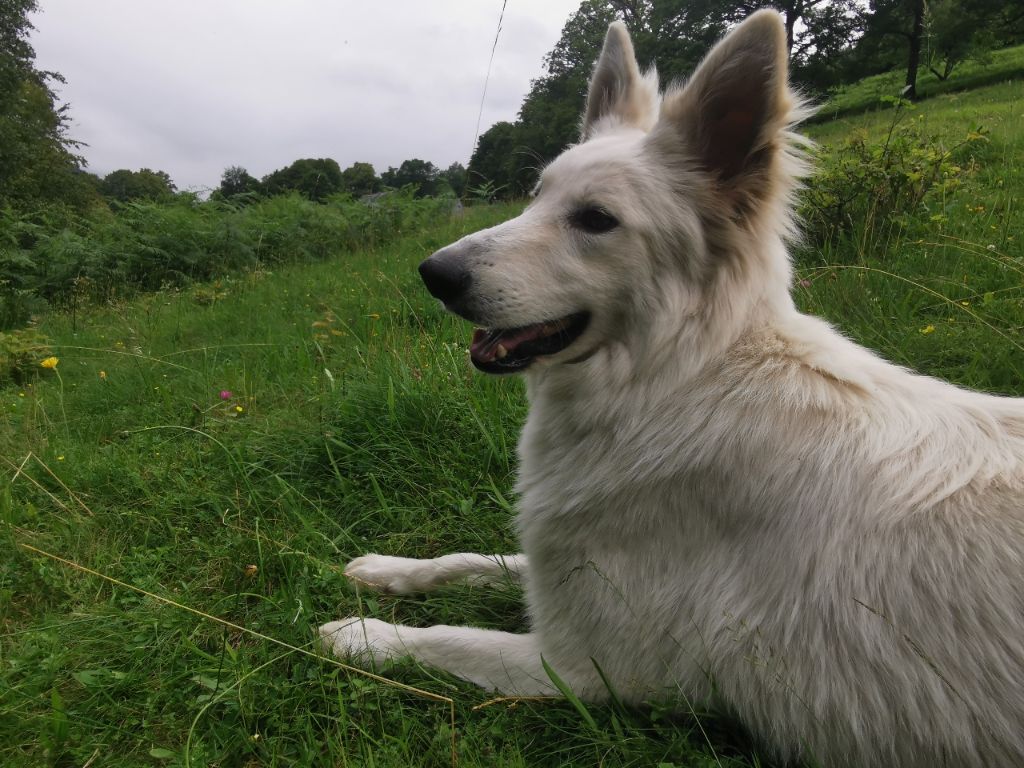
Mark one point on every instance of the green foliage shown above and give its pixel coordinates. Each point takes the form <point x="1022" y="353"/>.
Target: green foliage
<point x="822" y="33"/>
<point x="672" y="35"/>
<point x="313" y="179"/>
<point x="237" y="182"/>
<point x="21" y="351"/>
<point x="831" y="42"/>
<point x="485" y="193"/>
<point x="938" y="35"/>
<point x="960" y="30"/>
<point x="508" y="154"/>
<point x="421" y="176"/>
<point x="455" y="177"/>
<point x="360" y="179"/>
<point x="872" y="184"/>
<point x="37" y="158"/>
<point x="124" y="185"/>
<point x="19" y="267"/>
<point x="143" y="245"/>
<point x="498" y="161"/>
<point x="876" y="92"/>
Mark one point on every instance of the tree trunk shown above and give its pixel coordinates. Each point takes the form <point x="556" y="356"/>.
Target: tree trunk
<point x="792" y="14"/>
<point x="914" y="60"/>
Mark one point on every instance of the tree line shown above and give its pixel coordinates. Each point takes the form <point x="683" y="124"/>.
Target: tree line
<point x="318" y="179"/>
<point x="40" y="163"/>
<point x="831" y="43"/>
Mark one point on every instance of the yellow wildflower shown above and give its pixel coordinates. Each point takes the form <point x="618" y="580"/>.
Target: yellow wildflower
<point x="239" y="409"/>
<point x="50" y="362"/>
<point x="103" y="375"/>
<point x="928" y="329"/>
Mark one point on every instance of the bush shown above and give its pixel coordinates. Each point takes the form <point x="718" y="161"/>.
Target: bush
<point x="872" y="185"/>
<point x="21" y="352"/>
<point x="66" y="259"/>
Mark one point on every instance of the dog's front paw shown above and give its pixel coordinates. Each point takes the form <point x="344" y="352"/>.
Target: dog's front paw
<point x="394" y="575"/>
<point x="364" y="641"/>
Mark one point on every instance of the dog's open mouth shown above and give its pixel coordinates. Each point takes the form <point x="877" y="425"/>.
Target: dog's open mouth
<point x="512" y="350"/>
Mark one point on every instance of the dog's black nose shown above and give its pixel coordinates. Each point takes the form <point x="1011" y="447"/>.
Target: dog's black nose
<point x="445" y="278"/>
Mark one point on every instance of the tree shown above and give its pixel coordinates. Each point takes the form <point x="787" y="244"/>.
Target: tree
<point x="957" y="30"/>
<point x="420" y="174"/>
<point x="123" y="185"/>
<point x="507" y="154"/>
<point x="237" y="181"/>
<point x="494" y="161"/>
<point x="824" y="41"/>
<point x="455" y="177"/>
<point x="673" y="34"/>
<point x="914" y="47"/>
<point x="819" y="33"/>
<point x="37" y="158"/>
<point x="360" y="179"/>
<point x="894" y="32"/>
<point x="315" y="179"/>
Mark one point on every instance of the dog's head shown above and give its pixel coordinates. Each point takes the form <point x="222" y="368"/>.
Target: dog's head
<point x="639" y="221"/>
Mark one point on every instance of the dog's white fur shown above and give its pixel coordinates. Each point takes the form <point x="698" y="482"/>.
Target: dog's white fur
<point x="720" y="496"/>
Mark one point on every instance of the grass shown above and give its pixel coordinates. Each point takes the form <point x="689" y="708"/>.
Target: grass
<point x="940" y="291"/>
<point x="205" y="460"/>
<point x="222" y="461"/>
<point x="871" y="93"/>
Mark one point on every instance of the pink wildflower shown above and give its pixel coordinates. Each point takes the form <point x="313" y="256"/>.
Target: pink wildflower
<point x="225" y="394"/>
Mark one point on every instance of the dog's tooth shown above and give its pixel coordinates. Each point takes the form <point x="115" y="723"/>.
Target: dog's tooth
<point x="500" y="352"/>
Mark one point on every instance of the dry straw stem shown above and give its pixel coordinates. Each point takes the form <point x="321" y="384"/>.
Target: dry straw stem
<point x="925" y="289"/>
<point x="237" y="627"/>
<point x="19" y="472"/>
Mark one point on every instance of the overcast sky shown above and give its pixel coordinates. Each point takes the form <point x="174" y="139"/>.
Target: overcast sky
<point x="193" y="86"/>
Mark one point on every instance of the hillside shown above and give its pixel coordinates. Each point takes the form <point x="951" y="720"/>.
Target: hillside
<point x="1000" y="66"/>
<point x="938" y="289"/>
<point x="188" y="477"/>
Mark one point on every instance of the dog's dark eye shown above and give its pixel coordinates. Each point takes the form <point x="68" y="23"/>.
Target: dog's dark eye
<point x="593" y="220"/>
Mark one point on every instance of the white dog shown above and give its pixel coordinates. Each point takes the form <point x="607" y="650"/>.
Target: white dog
<point x="718" y="495"/>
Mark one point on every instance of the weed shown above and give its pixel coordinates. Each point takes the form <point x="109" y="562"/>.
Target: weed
<point x="872" y="185"/>
<point x="21" y="352"/>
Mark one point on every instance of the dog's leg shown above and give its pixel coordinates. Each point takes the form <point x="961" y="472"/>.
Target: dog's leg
<point x="406" y="575"/>
<point x="499" y="661"/>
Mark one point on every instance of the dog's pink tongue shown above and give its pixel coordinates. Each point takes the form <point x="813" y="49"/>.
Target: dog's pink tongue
<point x="484" y="347"/>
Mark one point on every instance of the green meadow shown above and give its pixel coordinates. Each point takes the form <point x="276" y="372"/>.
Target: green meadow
<point x="186" y="479"/>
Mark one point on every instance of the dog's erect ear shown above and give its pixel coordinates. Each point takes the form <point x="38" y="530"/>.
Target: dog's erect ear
<point x="618" y="92"/>
<point x="732" y="110"/>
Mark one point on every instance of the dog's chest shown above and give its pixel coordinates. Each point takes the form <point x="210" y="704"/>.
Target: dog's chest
<point x="609" y="541"/>
<point x="631" y="544"/>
